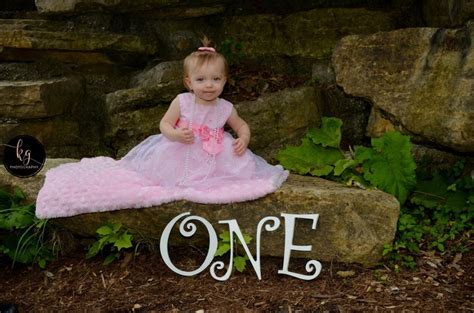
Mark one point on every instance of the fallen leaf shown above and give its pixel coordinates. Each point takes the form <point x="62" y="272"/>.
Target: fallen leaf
<point x="345" y="274"/>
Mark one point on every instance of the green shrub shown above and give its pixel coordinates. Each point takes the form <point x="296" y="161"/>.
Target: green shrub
<point x="23" y="237"/>
<point x="111" y="239"/>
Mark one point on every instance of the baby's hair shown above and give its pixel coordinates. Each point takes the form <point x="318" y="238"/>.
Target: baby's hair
<point x="201" y="57"/>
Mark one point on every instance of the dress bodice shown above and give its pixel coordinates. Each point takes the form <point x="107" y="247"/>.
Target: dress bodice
<point x="212" y="116"/>
<point x="206" y="121"/>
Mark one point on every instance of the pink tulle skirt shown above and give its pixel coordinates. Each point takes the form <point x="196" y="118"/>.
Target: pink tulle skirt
<point x="156" y="171"/>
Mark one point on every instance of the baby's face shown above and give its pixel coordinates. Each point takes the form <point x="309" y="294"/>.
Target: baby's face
<point x="207" y="82"/>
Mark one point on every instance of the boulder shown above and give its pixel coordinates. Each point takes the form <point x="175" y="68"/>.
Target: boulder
<point x="354" y="113"/>
<point x="421" y="78"/>
<point x="354" y="224"/>
<point x="432" y="159"/>
<point x="161" y="8"/>
<point x="65" y="41"/>
<point x="447" y="13"/>
<point x="38" y="99"/>
<point x="280" y="118"/>
<point x="308" y="34"/>
<point x="135" y="113"/>
<point x="51" y="133"/>
<point x="378" y="124"/>
<point x="129" y="128"/>
<point x="140" y="97"/>
<point x="162" y="73"/>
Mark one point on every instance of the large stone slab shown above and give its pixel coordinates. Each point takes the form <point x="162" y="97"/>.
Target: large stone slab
<point x="421" y="78"/>
<point x="127" y="129"/>
<point x="309" y="34"/>
<point x="135" y="113"/>
<point x="66" y="41"/>
<point x="447" y="13"/>
<point x="140" y="97"/>
<point x="280" y="118"/>
<point x="170" y="72"/>
<point x="38" y="99"/>
<point x="354" y="224"/>
<point x="51" y="133"/>
<point x="162" y="7"/>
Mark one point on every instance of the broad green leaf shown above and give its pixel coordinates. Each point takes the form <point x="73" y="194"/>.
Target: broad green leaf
<point x="96" y="247"/>
<point x="342" y="164"/>
<point x="5" y="200"/>
<point x="225" y="236"/>
<point x="105" y="230"/>
<point x="430" y="193"/>
<point x="329" y="135"/>
<point x="247" y="238"/>
<point x="307" y="157"/>
<point x="392" y="169"/>
<point x="239" y="263"/>
<point x="124" y="241"/>
<point x="24" y="255"/>
<point x="16" y="218"/>
<point x="18" y="196"/>
<point x="322" y="171"/>
<point x="93" y="250"/>
<point x="222" y="249"/>
<point x="110" y="258"/>
<point x="42" y="263"/>
<point x="457" y="200"/>
<point x="363" y="153"/>
<point x="116" y="227"/>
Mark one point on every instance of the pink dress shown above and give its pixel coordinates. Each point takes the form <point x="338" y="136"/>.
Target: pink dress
<point x="159" y="170"/>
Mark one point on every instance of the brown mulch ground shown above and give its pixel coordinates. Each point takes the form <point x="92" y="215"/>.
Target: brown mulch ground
<point x="145" y="284"/>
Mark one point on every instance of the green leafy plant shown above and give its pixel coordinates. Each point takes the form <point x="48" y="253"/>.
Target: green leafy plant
<point x="437" y="209"/>
<point x="23" y="237"/>
<point x="319" y="151"/>
<point x="439" y="212"/>
<point x="240" y="258"/>
<point x="112" y="238"/>
<point x="387" y="165"/>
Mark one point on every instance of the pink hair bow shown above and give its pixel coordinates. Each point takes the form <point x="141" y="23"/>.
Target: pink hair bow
<point x="210" y="49"/>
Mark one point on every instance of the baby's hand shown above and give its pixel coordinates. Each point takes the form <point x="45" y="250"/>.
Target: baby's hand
<point x="240" y="146"/>
<point x="185" y="135"/>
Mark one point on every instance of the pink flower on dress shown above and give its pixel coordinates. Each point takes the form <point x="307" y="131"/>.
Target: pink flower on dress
<point x="204" y="133"/>
<point x="211" y="139"/>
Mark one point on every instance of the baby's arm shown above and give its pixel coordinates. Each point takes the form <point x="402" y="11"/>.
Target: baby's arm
<point x="168" y="122"/>
<point x="242" y="130"/>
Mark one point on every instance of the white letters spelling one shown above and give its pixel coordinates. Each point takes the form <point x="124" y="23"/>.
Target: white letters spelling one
<point x="187" y="228"/>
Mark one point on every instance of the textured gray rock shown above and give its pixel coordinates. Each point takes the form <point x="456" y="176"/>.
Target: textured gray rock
<point x="135" y="113"/>
<point x="140" y="97"/>
<point x="65" y="41"/>
<point x="311" y="34"/>
<point x="354" y="224"/>
<point x="168" y="6"/>
<point x="280" y="118"/>
<point x="449" y="13"/>
<point x="51" y="133"/>
<point x="38" y="99"/>
<point x="163" y="73"/>
<point x="422" y="78"/>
